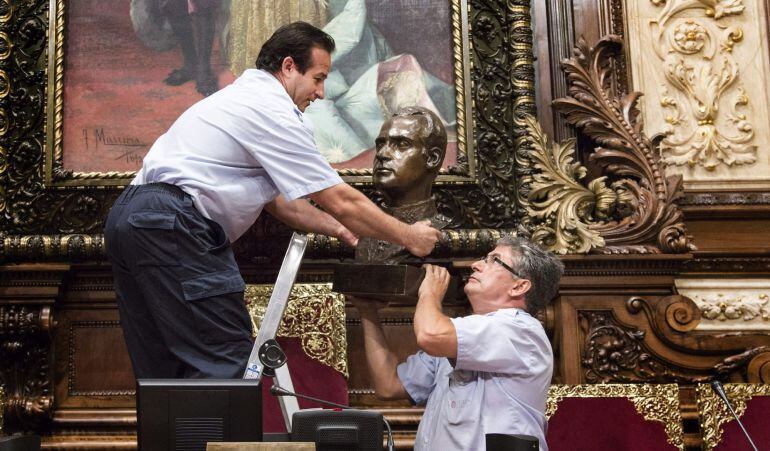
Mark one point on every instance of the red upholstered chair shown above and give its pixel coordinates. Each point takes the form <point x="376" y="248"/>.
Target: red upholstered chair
<point x="312" y="334"/>
<point x="601" y="417"/>
<point x="719" y="429"/>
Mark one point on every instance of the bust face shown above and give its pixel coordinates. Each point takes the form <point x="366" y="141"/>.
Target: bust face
<point x="401" y="170"/>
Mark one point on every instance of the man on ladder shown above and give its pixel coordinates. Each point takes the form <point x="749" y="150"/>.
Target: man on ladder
<point x="202" y="185"/>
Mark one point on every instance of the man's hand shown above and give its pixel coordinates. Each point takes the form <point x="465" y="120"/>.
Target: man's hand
<point x="434" y="285"/>
<point x="422" y="238"/>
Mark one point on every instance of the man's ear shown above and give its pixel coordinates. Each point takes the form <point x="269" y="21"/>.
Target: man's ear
<point x="288" y="64"/>
<point x="433" y="159"/>
<point x="519" y="288"/>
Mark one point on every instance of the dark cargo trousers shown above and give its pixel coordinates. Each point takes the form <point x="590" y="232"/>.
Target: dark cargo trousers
<point x="178" y="287"/>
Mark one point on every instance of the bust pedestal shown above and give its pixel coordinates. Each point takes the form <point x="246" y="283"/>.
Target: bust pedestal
<point x="380" y="272"/>
<point x="380" y="282"/>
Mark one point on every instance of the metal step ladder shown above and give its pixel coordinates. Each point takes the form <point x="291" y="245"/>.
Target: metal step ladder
<point x="267" y="358"/>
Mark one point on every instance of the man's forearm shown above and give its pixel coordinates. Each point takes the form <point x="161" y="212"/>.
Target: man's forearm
<point x="435" y="332"/>
<point x="300" y="214"/>
<point x="362" y="216"/>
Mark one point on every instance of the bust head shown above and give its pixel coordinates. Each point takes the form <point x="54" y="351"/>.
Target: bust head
<point x="408" y="154"/>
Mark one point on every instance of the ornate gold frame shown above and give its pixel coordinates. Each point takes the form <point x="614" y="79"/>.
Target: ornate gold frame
<point x="655" y="402"/>
<point x="57" y="176"/>
<point x="714" y="414"/>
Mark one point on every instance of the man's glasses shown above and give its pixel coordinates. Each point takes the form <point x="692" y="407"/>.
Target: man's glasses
<point x="489" y="259"/>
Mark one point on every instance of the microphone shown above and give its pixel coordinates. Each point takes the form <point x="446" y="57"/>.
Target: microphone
<point x="720" y="391"/>
<point x="276" y="390"/>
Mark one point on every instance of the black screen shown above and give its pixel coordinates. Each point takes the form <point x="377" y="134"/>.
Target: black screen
<point x="185" y="414"/>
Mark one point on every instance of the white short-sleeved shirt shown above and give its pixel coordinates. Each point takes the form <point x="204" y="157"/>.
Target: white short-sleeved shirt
<point x="499" y="383"/>
<point x="237" y="150"/>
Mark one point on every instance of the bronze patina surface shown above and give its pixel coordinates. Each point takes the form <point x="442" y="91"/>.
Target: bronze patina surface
<point x="409" y="152"/>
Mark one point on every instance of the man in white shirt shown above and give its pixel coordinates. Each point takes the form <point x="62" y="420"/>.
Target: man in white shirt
<point x="480" y="374"/>
<point x="203" y="184"/>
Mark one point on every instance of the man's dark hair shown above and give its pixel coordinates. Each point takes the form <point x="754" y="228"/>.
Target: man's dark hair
<point x="436" y="131"/>
<point x="296" y="40"/>
<point x="542" y="268"/>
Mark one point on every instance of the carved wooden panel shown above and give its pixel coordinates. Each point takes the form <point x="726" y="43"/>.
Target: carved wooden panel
<point x="92" y="364"/>
<point x="98" y="360"/>
<point x="729" y="304"/>
<point x="27" y="320"/>
<point x="704" y="69"/>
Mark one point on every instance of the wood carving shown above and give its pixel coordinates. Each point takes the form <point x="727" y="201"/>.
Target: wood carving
<point x="696" y="54"/>
<point x="563" y="211"/>
<point x="634" y="176"/>
<point x="673" y="320"/>
<point x="728" y="307"/>
<point x="616" y="353"/>
<point x="25" y="367"/>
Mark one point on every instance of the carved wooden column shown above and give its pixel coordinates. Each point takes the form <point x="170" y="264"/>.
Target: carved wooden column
<point x="27" y="296"/>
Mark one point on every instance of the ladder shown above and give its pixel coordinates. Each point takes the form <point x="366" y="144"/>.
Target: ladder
<point x="267" y="358"/>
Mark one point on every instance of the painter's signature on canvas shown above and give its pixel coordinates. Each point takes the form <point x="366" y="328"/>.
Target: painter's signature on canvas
<point x="128" y="148"/>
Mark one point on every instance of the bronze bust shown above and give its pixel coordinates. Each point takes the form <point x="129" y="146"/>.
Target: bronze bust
<point x="409" y="152"/>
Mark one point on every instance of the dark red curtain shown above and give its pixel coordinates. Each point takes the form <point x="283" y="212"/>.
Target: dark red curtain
<point x="599" y="424"/>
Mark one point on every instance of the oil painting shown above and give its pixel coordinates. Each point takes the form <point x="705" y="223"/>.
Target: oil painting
<point x="129" y="69"/>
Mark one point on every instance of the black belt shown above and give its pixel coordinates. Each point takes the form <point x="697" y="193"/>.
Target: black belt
<point x="155" y="187"/>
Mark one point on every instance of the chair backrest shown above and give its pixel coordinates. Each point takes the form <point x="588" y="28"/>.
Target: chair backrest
<point x="719" y="429"/>
<point x="602" y="417"/>
<point x="515" y="442"/>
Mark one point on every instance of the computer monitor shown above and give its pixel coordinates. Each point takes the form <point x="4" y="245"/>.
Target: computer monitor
<point x="348" y="429"/>
<point x="188" y="413"/>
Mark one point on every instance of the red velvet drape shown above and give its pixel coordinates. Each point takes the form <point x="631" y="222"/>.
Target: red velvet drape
<point x="603" y="424"/>
<point x="309" y="377"/>
<point x="756" y="419"/>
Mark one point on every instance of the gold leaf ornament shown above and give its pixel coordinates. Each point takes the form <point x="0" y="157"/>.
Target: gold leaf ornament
<point x="562" y="209"/>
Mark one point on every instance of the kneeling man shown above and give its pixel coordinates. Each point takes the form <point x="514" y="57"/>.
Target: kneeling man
<point x="484" y="373"/>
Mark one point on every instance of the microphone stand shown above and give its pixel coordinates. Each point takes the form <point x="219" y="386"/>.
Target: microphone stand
<point x="276" y="390"/>
<point x="719" y="390"/>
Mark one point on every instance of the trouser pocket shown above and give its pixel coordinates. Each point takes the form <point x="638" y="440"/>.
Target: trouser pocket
<point x="153" y="239"/>
<point x="216" y="302"/>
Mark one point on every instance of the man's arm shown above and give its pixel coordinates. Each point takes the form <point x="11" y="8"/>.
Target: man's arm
<point x="356" y="212"/>
<point x="299" y="214"/>
<point x="380" y="360"/>
<point x="435" y="332"/>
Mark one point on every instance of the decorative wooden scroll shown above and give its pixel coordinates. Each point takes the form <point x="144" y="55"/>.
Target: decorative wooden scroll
<point x="632" y="207"/>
